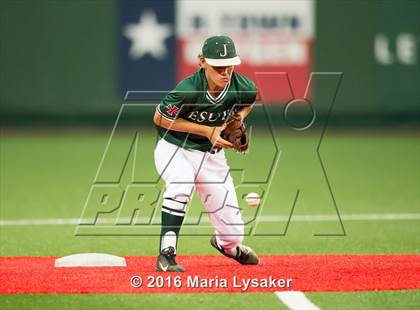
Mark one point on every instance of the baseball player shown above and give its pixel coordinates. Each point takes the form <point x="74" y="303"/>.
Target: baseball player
<point x="190" y="157"/>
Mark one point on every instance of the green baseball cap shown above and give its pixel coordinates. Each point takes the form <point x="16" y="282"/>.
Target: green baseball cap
<point x="219" y="51"/>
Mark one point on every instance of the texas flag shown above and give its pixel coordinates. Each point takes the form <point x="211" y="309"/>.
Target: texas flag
<point x="159" y="41"/>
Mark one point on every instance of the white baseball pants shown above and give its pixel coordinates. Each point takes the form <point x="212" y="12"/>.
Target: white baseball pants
<point x="186" y="170"/>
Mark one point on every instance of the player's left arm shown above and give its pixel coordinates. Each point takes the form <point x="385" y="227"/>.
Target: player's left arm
<point x="244" y="112"/>
<point x="247" y="98"/>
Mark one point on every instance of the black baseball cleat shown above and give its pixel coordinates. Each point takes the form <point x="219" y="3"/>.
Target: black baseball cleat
<point x="245" y="255"/>
<point x="166" y="261"/>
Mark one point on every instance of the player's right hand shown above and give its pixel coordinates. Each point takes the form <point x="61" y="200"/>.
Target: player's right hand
<point x="215" y="138"/>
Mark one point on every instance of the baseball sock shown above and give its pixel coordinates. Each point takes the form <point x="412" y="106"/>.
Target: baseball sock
<point x="232" y="251"/>
<point x="171" y="225"/>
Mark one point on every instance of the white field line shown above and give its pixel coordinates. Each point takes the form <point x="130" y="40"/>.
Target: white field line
<point x="296" y="300"/>
<point x="264" y="219"/>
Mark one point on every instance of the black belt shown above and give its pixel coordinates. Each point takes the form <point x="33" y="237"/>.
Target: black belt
<point x="215" y="150"/>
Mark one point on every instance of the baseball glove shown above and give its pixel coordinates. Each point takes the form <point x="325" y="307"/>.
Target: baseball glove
<point x="236" y="133"/>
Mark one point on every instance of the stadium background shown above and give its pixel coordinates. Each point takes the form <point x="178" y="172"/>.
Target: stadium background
<point x="61" y="61"/>
<point x="65" y="68"/>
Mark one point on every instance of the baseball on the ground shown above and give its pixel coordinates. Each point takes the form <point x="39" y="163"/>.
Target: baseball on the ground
<point x="252" y="199"/>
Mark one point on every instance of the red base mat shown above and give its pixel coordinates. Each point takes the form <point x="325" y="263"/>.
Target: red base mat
<point x="309" y="273"/>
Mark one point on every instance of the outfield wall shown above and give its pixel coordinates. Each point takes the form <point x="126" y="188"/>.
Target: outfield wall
<point x="59" y="60"/>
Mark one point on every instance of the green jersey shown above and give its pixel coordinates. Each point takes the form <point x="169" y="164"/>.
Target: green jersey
<point x="192" y="101"/>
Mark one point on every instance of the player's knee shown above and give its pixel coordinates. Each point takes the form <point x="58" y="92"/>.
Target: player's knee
<point x="179" y="192"/>
<point x="181" y="197"/>
<point x="176" y="202"/>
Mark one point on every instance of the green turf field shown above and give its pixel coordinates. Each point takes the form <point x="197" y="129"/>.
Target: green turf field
<point x="48" y="175"/>
<point x="367" y="300"/>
